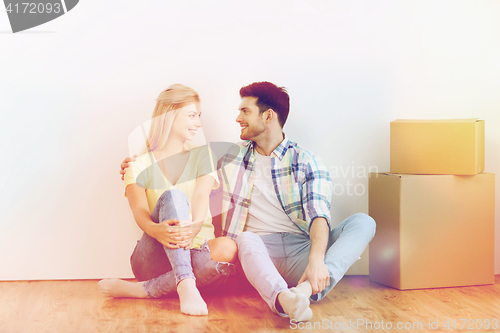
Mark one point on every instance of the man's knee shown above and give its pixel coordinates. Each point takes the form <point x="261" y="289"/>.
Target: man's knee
<point x="249" y="244"/>
<point x="366" y="222"/>
<point x="247" y="237"/>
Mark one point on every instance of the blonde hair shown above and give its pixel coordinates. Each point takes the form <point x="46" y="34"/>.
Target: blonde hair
<point x="167" y="104"/>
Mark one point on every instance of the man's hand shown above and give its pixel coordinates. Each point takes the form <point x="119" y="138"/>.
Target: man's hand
<point x="125" y="163"/>
<point x="317" y="274"/>
<point x="316" y="271"/>
<point x="171" y="234"/>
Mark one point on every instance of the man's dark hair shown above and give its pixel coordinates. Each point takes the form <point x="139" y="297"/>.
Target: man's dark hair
<point x="269" y="96"/>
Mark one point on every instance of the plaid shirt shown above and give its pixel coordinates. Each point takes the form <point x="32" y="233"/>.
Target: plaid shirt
<point x="301" y="181"/>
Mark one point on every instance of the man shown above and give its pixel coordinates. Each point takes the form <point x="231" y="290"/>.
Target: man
<point x="276" y="205"/>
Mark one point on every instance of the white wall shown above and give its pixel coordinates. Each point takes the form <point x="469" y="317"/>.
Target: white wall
<point x="72" y="90"/>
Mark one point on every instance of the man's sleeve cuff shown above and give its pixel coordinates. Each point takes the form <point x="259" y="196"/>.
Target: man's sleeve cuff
<point x="327" y="218"/>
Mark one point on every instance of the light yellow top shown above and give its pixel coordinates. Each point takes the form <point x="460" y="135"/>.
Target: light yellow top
<point x="147" y="173"/>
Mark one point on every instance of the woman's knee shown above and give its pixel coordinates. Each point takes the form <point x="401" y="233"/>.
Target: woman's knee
<point x="174" y="196"/>
<point x="223" y="249"/>
<point x="174" y="204"/>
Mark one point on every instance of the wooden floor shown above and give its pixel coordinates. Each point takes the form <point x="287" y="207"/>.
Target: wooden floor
<point x="355" y="305"/>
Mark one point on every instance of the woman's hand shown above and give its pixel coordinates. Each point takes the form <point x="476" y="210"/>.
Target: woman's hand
<point x="194" y="228"/>
<point x="188" y="242"/>
<point x="171" y="234"/>
<point x="125" y="163"/>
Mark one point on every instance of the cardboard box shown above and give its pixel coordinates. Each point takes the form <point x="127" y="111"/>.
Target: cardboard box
<point x="443" y="147"/>
<point x="432" y="230"/>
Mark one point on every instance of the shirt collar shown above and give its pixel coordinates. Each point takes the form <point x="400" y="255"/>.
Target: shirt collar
<point x="280" y="151"/>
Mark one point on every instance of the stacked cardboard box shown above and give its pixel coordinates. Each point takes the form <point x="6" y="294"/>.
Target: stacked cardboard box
<point x="435" y="209"/>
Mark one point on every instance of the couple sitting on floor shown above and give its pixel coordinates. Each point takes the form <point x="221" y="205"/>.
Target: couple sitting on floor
<point x="276" y="200"/>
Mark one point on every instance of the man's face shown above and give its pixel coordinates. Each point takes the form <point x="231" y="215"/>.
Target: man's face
<point x="250" y="119"/>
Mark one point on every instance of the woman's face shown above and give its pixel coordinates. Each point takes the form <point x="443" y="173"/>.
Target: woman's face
<point x="187" y="121"/>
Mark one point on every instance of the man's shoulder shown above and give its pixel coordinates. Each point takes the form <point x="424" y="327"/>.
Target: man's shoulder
<point x="301" y="152"/>
<point x="306" y="159"/>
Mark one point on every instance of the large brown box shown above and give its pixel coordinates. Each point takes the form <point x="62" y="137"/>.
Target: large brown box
<point x="432" y="230"/>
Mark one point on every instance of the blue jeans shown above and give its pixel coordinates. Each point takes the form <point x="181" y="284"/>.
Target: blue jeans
<point x="274" y="262"/>
<point x="162" y="267"/>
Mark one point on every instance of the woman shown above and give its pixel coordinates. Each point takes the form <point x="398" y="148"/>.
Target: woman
<point x="168" y="188"/>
